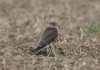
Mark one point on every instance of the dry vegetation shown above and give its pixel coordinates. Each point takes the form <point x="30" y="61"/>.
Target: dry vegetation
<point x="23" y="21"/>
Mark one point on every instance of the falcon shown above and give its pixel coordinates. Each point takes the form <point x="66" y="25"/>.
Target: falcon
<point x="49" y="35"/>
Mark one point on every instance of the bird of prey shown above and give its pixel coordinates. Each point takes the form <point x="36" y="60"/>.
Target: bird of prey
<point x="49" y="35"/>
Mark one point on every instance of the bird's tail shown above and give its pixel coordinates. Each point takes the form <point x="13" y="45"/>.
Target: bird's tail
<point x="34" y="50"/>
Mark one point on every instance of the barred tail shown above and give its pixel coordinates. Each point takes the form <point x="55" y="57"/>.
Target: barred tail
<point x="38" y="48"/>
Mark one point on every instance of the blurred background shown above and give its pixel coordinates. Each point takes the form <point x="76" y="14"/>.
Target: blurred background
<point x="23" y="21"/>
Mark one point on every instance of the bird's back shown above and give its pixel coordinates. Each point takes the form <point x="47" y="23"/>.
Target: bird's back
<point x="49" y="35"/>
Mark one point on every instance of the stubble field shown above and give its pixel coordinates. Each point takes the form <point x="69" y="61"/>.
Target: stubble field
<point x="23" y="21"/>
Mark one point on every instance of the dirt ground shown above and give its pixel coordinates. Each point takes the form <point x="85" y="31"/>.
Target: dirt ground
<point x="23" y="21"/>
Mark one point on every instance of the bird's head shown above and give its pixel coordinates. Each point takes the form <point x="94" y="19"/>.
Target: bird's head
<point x="54" y="24"/>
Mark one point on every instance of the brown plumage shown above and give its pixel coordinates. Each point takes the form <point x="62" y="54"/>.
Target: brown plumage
<point x="49" y="35"/>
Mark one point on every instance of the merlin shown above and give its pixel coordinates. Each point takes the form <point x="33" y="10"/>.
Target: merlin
<point x="49" y="35"/>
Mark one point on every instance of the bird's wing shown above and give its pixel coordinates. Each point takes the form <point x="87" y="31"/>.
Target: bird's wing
<point x="48" y="36"/>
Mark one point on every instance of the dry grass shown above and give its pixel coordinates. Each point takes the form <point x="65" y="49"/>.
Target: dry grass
<point x="23" y="21"/>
